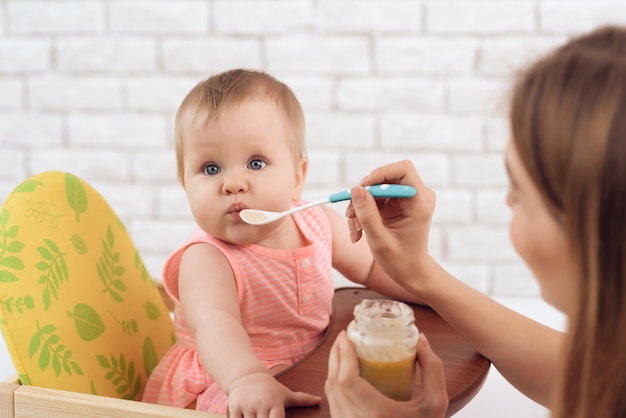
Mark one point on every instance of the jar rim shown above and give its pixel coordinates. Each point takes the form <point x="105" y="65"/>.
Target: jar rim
<point x="383" y="308"/>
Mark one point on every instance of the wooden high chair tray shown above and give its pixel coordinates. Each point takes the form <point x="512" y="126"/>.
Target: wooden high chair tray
<point x="465" y="368"/>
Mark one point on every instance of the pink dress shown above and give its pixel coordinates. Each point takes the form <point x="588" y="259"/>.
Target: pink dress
<point x="285" y="297"/>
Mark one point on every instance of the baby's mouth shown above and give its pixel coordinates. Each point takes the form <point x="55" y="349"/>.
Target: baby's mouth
<point x="235" y="208"/>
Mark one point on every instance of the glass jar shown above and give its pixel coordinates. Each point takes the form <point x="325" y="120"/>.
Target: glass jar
<point x="385" y="337"/>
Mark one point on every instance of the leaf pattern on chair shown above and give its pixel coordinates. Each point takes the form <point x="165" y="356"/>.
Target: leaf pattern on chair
<point x="150" y="356"/>
<point x="87" y="321"/>
<point x="28" y="186"/>
<point x="54" y="271"/>
<point x="92" y="388"/>
<point x="152" y="311"/>
<point x="75" y="194"/>
<point x="129" y="327"/>
<point x="53" y="227"/>
<point x="141" y="266"/>
<point x="18" y="304"/>
<point x="79" y="244"/>
<point x="52" y="351"/>
<point x="109" y="269"/>
<point x="121" y="375"/>
<point x="9" y="246"/>
<point x="42" y="211"/>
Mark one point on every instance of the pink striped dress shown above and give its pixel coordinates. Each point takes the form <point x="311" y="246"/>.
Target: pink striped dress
<point x="285" y="297"/>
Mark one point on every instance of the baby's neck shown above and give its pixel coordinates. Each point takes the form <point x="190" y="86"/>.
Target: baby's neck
<point x="287" y="237"/>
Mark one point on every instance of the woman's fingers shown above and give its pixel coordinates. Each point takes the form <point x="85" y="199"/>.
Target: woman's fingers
<point x="398" y="172"/>
<point x="342" y="362"/>
<point x="367" y="216"/>
<point x="434" y="397"/>
<point x="349" y="362"/>
<point x="337" y="399"/>
<point x="349" y="396"/>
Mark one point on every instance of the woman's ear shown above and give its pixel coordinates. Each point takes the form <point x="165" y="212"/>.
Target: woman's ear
<point x="300" y="177"/>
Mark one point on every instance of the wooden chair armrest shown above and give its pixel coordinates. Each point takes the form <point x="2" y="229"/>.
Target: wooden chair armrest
<point x="17" y="401"/>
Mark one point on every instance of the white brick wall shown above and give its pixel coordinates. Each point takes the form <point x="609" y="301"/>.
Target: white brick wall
<point x="92" y="86"/>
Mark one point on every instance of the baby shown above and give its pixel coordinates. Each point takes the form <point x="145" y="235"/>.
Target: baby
<point x="250" y="300"/>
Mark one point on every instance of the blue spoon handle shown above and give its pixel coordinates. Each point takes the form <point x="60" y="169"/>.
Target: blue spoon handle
<point x="378" y="190"/>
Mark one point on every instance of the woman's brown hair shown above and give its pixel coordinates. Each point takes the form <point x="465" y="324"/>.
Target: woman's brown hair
<point x="568" y="123"/>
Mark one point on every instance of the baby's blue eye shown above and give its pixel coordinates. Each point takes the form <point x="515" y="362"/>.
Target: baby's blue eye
<point x="211" y="169"/>
<point x="257" y="164"/>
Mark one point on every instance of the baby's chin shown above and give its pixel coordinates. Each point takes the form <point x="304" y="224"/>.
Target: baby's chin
<point x="243" y="236"/>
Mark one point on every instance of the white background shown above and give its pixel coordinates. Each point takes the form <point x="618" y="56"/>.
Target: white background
<point x="91" y="87"/>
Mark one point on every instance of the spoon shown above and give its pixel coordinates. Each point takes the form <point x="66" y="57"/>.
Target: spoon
<point x="262" y="217"/>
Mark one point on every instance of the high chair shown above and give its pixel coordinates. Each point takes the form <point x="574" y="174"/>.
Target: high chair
<point x="83" y="321"/>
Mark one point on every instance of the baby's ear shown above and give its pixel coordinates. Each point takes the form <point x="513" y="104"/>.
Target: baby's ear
<point x="300" y="177"/>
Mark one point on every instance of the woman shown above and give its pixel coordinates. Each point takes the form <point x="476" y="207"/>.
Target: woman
<point x="565" y="163"/>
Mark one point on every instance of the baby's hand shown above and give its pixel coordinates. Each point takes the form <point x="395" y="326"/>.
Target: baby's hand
<point x="260" y="395"/>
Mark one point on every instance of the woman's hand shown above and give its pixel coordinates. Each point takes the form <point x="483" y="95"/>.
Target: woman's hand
<point x="351" y="396"/>
<point x="396" y="229"/>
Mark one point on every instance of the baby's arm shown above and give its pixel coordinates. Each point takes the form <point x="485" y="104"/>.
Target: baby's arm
<point x="356" y="262"/>
<point x="208" y="296"/>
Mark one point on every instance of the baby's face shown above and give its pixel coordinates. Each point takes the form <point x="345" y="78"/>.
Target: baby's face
<point x="243" y="161"/>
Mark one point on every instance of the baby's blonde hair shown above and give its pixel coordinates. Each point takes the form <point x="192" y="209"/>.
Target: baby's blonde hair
<point x="212" y="97"/>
